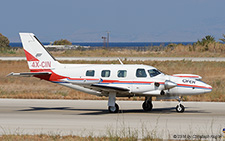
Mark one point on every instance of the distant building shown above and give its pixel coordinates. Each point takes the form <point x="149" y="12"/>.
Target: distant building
<point x="65" y="47"/>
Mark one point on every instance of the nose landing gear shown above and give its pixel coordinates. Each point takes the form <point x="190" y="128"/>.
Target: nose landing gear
<point x="180" y="108"/>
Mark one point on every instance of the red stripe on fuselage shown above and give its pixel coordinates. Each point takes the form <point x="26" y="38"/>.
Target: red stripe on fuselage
<point x="82" y="79"/>
<point x="194" y="86"/>
<point x="118" y="81"/>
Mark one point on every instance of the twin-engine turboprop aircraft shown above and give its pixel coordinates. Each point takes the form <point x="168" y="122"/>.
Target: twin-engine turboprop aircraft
<point x="116" y="80"/>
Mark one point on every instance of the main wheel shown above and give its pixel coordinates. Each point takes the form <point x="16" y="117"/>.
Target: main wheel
<point x="147" y="106"/>
<point x="180" y="108"/>
<point x="114" y="109"/>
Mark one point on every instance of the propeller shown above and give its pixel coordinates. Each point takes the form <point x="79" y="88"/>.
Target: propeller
<point x="169" y="84"/>
<point x="160" y="89"/>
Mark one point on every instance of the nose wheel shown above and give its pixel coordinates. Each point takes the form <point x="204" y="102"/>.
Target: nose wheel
<point x="180" y="108"/>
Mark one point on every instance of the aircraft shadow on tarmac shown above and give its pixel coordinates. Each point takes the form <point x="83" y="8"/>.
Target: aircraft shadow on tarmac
<point x="169" y="110"/>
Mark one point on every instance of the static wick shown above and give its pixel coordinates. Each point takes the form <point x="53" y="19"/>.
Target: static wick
<point x="120" y="61"/>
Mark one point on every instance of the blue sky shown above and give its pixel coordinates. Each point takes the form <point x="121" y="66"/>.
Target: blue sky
<point x="127" y="20"/>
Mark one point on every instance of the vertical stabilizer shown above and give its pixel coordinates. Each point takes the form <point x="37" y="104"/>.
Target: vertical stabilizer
<point x="38" y="58"/>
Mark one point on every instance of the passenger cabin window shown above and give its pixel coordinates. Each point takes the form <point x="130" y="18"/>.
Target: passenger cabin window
<point x="141" y="73"/>
<point x="153" y="72"/>
<point x="122" y="73"/>
<point x="90" y="72"/>
<point x="105" y="73"/>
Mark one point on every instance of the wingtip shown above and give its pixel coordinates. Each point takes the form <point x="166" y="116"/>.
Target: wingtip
<point x="10" y="74"/>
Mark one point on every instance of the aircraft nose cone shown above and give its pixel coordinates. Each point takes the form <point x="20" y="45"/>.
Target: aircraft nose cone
<point x="208" y="88"/>
<point x="169" y="84"/>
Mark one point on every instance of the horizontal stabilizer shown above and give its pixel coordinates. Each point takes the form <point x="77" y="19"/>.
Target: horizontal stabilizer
<point x="29" y="73"/>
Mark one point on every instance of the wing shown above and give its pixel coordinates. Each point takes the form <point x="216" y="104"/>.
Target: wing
<point x="95" y="84"/>
<point x="109" y="88"/>
<point x="82" y="81"/>
<point x="26" y="74"/>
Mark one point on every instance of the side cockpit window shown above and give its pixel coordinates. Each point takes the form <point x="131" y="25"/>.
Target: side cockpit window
<point x="105" y="73"/>
<point x="90" y="73"/>
<point x="141" y="73"/>
<point x="153" y="72"/>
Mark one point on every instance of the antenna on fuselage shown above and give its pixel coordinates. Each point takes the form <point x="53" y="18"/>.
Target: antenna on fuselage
<point x="120" y="61"/>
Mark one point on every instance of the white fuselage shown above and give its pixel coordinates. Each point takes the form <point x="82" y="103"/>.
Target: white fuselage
<point x="81" y="76"/>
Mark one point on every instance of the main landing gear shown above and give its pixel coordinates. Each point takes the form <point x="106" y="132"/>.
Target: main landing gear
<point x="180" y="108"/>
<point x="147" y="104"/>
<point x="112" y="106"/>
<point x="113" y="109"/>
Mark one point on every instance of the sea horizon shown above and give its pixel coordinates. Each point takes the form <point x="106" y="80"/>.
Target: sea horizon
<point x="113" y="44"/>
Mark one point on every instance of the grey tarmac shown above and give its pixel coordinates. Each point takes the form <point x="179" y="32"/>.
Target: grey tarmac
<point x="195" y="59"/>
<point x="91" y="117"/>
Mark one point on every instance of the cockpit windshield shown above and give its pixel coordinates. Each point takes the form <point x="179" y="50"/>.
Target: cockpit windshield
<point x="153" y="72"/>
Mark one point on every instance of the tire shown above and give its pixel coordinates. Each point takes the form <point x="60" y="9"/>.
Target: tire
<point x="180" y="108"/>
<point x="147" y="106"/>
<point x="113" y="109"/>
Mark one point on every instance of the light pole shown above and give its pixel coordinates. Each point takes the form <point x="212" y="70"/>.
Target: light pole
<point x="107" y="38"/>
